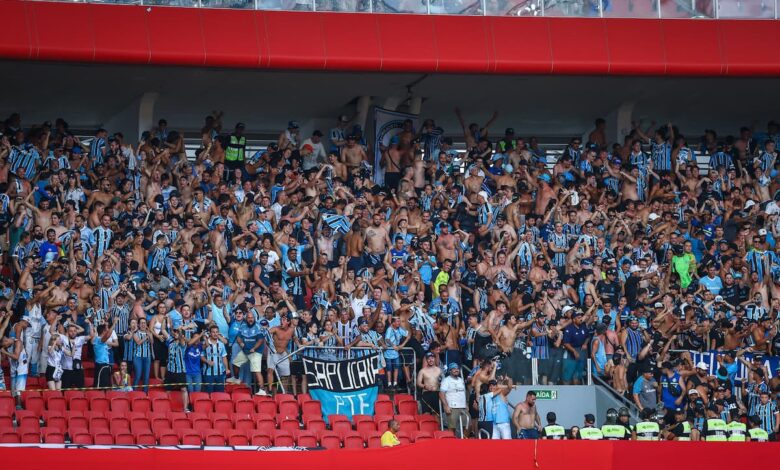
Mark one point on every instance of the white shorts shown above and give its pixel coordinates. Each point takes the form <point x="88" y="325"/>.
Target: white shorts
<point x="502" y="431"/>
<point x="282" y="367"/>
<point x="254" y="359"/>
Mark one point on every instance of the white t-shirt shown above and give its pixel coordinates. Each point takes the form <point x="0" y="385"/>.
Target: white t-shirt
<point x="76" y="344"/>
<point x="454" y="391"/>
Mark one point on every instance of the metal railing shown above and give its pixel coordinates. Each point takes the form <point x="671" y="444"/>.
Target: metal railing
<point x="706" y="9"/>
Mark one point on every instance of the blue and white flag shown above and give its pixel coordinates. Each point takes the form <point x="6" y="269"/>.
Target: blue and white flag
<point x="387" y="124"/>
<point x="346" y="387"/>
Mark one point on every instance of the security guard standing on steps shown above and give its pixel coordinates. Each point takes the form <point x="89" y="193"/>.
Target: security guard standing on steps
<point x="553" y="430"/>
<point x="613" y="431"/>
<point x="756" y="433"/>
<point x="236" y="148"/>
<point x="590" y="432"/>
<point x="647" y="429"/>
<point x="737" y="429"/>
<point x="681" y="429"/>
<point x="714" y="428"/>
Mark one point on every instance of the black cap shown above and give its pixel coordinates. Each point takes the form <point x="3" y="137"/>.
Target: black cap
<point x="589" y="418"/>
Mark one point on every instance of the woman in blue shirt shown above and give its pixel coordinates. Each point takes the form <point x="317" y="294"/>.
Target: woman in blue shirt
<point x="143" y="354"/>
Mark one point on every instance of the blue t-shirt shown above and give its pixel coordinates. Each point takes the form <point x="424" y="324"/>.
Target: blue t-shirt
<point x="575" y="336"/>
<point x="250" y="335"/>
<point x="500" y="410"/>
<point x="176" y="318"/>
<point x="101" y="351"/>
<point x="714" y="285"/>
<point x="192" y="358"/>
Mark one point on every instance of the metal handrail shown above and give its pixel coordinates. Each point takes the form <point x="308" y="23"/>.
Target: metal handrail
<point x="631" y="406"/>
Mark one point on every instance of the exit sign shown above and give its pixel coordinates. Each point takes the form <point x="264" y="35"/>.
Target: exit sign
<point x="546" y="394"/>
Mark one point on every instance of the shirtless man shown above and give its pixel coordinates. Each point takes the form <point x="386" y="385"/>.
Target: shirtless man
<point x="446" y="244"/>
<point x="508" y="332"/>
<point x="377" y="240"/>
<point x="282" y="335"/>
<point x="428" y="380"/>
<point x="83" y="291"/>
<point x="217" y="241"/>
<point x="526" y="418"/>
<point x="546" y="193"/>
<point x="339" y="169"/>
<point x="352" y="154"/>
<point x="103" y="195"/>
<point x="391" y="162"/>
<point x="472" y="134"/>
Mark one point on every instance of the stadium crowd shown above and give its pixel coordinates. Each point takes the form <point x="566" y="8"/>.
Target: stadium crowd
<point x="623" y="257"/>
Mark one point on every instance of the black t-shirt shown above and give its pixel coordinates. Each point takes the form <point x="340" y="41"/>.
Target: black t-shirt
<point x="609" y="290"/>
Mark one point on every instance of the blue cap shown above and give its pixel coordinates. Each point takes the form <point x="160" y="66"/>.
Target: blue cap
<point x="263" y="322"/>
<point x="545" y="177"/>
<point x="452" y="366"/>
<point x="394" y="140"/>
<point x="362" y="321"/>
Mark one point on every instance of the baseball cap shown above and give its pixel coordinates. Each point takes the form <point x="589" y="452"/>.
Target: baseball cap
<point x="658" y="305"/>
<point x="428" y="354"/>
<point x="589" y="418"/>
<point x="362" y="321"/>
<point x="693" y="391"/>
<point x="702" y="365"/>
<point x="483" y="194"/>
<point x="762" y="232"/>
<point x="452" y="365"/>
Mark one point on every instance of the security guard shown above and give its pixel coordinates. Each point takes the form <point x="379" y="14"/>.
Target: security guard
<point x="623" y="419"/>
<point x="553" y="430"/>
<point x="737" y="429"/>
<point x="714" y="429"/>
<point x="590" y="432"/>
<point x="681" y="429"/>
<point x="756" y="433"/>
<point x="613" y="431"/>
<point x="236" y="148"/>
<point x="647" y="429"/>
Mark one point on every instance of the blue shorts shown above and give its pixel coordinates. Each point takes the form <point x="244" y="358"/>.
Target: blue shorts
<point x="392" y="364"/>
<point x="573" y="369"/>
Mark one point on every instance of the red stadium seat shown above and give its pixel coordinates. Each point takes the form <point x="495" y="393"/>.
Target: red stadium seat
<point x="56" y="403"/>
<point x="223" y="406"/>
<point x="352" y="440"/>
<point x="119" y="424"/>
<point x="156" y="394"/>
<point x="100" y="404"/>
<point x="409" y="427"/>
<point x="283" y="439"/>
<point x="82" y="439"/>
<point x="428" y="426"/>
<point x="194" y="396"/>
<point x="240" y="393"/>
<point x="141" y="405"/>
<point x="280" y="397"/>
<point x="145" y="438"/>
<point x="330" y="440"/>
<point x="266" y="407"/>
<point x="303" y="398"/>
<point x="311" y="408"/>
<point x="244" y="424"/>
<point x="6" y="422"/>
<point x="364" y="426"/>
<point x="221" y="423"/>
<point x="140" y="424"/>
<point x="381" y="422"/>
<point x="7" y="405"/>
<point x="123" y="438"/>
<point x="289" y="408"/>
<point x="236" y="438"/>
<point x="201" y="424"/>
<point x="242" y="405"/>
<point x="51" y="393"/>
<point x="402" y="397"/>
<point x="168" y="439"/>
<point x="383" y="408"/>
<point x="382" y="397"/>
<point x="90" y="394"/>
<point x="78" y="403"/>
<point x="315" y="424"/>
<point x="55" y="419"/>
<point x="373" y="439"/>
<point x="306" y="438"/>
<point x="404" y="438"/>
<point x="97" y="423"/>
<point x="203" y="406"/>
<point x="25" y="418"/>
<point x="53" y="436"/>
<point x="287" y="424"/>
<point x="10" y="437"/>
<point x="216" y="396"/>
<point x="340" y="426"/>
<point x="191" y="438"/>
<point x="161" y="405"/>
<point x="261" y="438"/>
<point x="447" y="434"/>
<point x="180" y="423"/>
<point x="407" y="408"/>
<point x="33" y="403"/>
<point x="420" y="436"/>
<point x="78" y="422"/>
<point x="120" y="404"/>
<point x="136" y="394"/>
<point x="29" y="436"/>
<point x="103" y="439"/>
<point x="265" y="425"/>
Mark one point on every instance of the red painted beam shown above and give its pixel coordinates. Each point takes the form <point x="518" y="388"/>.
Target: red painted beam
<point x="131" y="34"/>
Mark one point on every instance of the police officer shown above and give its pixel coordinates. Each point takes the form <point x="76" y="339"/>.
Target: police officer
<point x="737" y="429"/>
<point x="590" y="432"/>
<point x="714" y="428"/>
<point x="623" y="419"/>
<point x="647" y="429"/>
<point x="681" y="429"/>
<point x="553" y="430"/>
<point x="613" y="431"/>
<point x="756" y="433"/>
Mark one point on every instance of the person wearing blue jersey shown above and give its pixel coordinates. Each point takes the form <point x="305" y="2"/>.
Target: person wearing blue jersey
<point x="214" y="361"/>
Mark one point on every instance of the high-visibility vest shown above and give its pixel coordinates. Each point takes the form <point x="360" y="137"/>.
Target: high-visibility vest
<point x="235" y="149"/>
<point x="737" y="431"/>
<point x="554" y="431"/>
<point x="686" y="432"/>
<point x="647" y="431"/>
<point x="716" y="430"/>
<point x="591" y="434"/>
<point x="613" y="432"/>
<point x="758" y="435"/>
